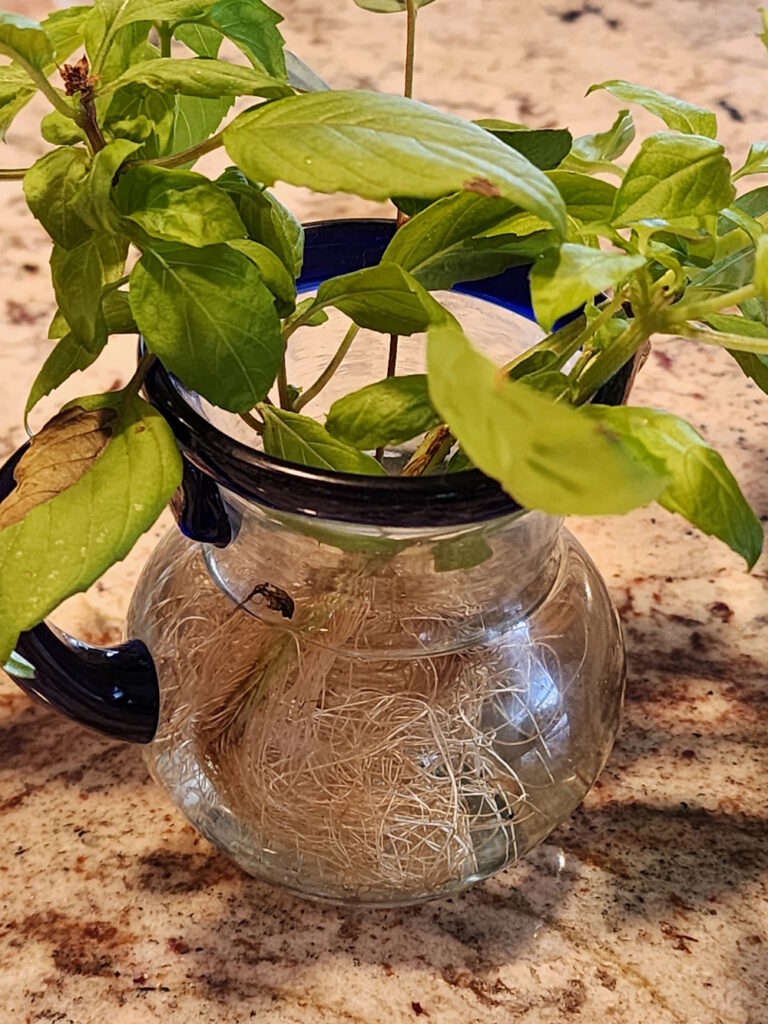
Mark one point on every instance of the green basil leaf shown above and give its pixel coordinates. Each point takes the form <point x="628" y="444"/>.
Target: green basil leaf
<point x="732" y="271"/>
<point x="50" y="185"/>
<point x="754" y="203"/>
<point x="252" y="25"/>
<point x="592" y="153"/>
<point x="389" y="6"/>
<point x="674" y="177"/>
<point x="58" y="326"/>
<point x="15" y="92"/>
<point x="440" y="248"/>
<point x="145" y="116"/>
<point x="299" y="439"/>
<point x="86" y="314"/>
<point x="301" y="76"/>
<point x="755" y="310"/>
<point x="546" y="148"/>
<point x="273" y="272"/>
<point x="679" y="115"/>
<point x="195" y="120"/>
<point x="202" y="39"/>
<point x="761" y="267"/>
<point x="590" y="200"/>
<point x="211" y="319"/>
<point x="317" y="319"/>
<point x="76" y="531"/>
<point x="377" y="146"/>
<point x="23" y="37"/>
<point x="198" y="76"/>
<point x="60" y="130"/>
<point x="177" y="206"/>
<point x="266" y="219"/>
<point x="65" y="30"/>
<point x="565" y="278"/>
<point x="116" y="307"/>
<point x="93" y="200"/>
<point x="384" y="298"/>
<point x="753" y="364"/>
<point x="547" y="455"/>
<point x="701" y="488"/>
<point x="459" y="462"/>
<point x="79" y="275"/>
<point x="111" y="48"/>
<point x="72" y="353"/>
<point x="388" y="412"/>
<point x="116" y="310"/>
<point x="129" y="11"/>
<point x="756" y="162"/>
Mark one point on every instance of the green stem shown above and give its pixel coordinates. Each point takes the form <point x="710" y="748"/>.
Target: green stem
<point x="282" y="387"/>
<point x="410" y="60"/>
<point x="164" y="32"/>
<point x="314" y="390"/>
<point x="12" y="173"/>
<point x="431" y="452"/>
<point x="135" y="384"/>
<point x="290" y="329"/>
<point x="252" y="422"/>
<point x="113" y="286"/>
<point x="604" y="364"/>
<point x="697" y="310"/>
<point x="40" y="81"/>
<point x="738" y="342"/>
<point x="188" y="155"/>
<point x="410" y="46"/>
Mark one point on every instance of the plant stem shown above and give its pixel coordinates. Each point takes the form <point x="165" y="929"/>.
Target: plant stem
<point x="737" y="342"/>
<point x="252" y="422"/>
<point x="282" y="387"/>
<point x="410" y="46"/>
<point x="12" y="173"/>
<point x="602" y="365"/>
<point x="431" y="452"/>
<point x="164" y="32"/>
<point x="187" y="155"/>
<point x="696" y="310"/>
<point x="314" y="390"/>
<point x="136" y="382"/>
<point x="90" y="125"/>
<point x="40" y="81"/>
<point x="113" y="286"/>
<point x="410" y="60"/>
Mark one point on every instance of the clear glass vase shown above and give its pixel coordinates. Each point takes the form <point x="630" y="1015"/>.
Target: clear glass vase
<point x="439" y="701"/>
<point x="373" y="690"/>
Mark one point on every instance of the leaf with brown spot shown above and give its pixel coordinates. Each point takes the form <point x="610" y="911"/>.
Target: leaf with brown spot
<point x="92" y="482"/>
<point x="57" y="458"/>
<point x="482" y="187"/>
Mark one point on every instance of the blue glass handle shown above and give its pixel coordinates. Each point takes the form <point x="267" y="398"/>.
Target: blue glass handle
<point x="113" y="690"/>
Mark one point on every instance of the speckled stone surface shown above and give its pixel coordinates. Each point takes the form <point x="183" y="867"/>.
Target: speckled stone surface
<point x="649" y="906"/>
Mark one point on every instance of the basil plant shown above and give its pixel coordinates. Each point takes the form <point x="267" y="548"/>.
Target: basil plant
<point x="662" y="246"/>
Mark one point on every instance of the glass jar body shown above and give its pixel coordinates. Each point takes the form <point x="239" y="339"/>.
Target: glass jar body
<point x="379" y="716"/>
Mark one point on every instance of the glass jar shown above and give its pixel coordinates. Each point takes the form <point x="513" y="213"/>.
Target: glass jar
<point x="385" y="690"/>
<point x="373" y="690"/>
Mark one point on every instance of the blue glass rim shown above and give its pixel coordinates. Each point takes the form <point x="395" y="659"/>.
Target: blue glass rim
<point x="450" y="499"/>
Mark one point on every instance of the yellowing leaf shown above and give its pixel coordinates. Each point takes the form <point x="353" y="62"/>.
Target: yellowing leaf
<point x="57" y="457"/>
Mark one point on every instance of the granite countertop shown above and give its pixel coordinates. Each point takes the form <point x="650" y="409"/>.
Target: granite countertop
<point x="651" y="904"/>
